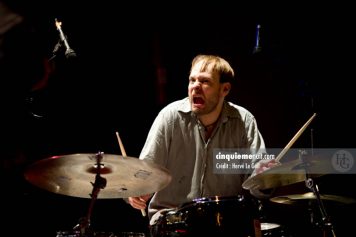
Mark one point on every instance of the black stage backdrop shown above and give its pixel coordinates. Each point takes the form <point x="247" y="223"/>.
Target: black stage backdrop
<point x="132" y="60"/>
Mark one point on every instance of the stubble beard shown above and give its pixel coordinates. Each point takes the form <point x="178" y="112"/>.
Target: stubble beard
<point x="209" y="107"/>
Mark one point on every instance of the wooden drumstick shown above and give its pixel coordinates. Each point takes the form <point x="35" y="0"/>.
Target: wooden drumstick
<point x="296" y="136"/>
<point x="123" y="152"/>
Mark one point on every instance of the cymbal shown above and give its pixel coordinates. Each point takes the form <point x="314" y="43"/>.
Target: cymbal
<point x="290" y="172"/>
<point x="75" y="175"/>
<point x="300" y="198"/>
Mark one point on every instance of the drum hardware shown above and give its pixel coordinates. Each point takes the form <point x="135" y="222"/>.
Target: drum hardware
<point x="99" y="183"/>
<point x="270" y="228"/>
<point x="308" y="198"/>
<point x="326" y="224"/>
<point x="131" y="234"/>
<point x="210" y="216"/>
<point x="71" y="174"/>
<point x="287" y="173"/>
<point x="295" y="171"/>
<point x="284" y="173"/>
<point x="115" y="177"/>
<point x="75" y="233"/>
<point x="82" y="229"/>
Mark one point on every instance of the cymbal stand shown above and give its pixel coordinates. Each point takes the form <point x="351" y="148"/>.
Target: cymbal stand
<point x="100" y="183"/>
<point x="327" y="227"/>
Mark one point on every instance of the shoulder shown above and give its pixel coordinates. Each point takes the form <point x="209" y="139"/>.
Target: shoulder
<point x="175" y="107"/>
<point x="236" y="111"/>
<point x="172" y="113"/>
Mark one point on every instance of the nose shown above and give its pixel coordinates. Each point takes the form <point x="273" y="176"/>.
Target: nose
<point x="196" y="85"/>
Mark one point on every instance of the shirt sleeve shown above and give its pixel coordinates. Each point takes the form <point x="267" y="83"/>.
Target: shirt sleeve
<point x="157" y="143"/>
<point x="255" y="139"/>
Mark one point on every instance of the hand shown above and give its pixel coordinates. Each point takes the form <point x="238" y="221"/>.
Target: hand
<point x="139" y="202"/>
<point x="264" y="165"/>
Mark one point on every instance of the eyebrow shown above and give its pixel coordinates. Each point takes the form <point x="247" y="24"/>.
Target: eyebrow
<point x="200" y="77"/>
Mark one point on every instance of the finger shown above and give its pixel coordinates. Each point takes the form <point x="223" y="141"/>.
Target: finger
<point x="138" y="205"/>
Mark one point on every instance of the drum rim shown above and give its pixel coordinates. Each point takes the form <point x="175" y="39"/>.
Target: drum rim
<point x="212" y="199"/>
<point x="269" y="226"/>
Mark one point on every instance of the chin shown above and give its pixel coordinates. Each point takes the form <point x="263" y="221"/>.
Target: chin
<point x="195" y="108"/>
<point x="198" y="111"/>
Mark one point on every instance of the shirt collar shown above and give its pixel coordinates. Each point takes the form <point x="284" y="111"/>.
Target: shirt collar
<point x="228" y="110"/>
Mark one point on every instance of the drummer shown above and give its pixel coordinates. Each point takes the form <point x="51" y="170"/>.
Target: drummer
<point x="186" y="132"/>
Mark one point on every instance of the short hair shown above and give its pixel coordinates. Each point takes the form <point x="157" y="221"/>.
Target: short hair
<point x="219" y="65"/>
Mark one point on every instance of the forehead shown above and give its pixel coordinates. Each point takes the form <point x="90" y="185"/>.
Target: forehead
<point x="200" y="69"/>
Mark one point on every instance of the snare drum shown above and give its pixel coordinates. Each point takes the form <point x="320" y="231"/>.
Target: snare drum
<point x="213" y="216"/>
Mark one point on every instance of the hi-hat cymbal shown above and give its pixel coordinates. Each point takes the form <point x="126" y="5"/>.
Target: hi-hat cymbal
<point x="288" y="173"/>
<point x="75" y="174"/>
<point x="295" y="199"/>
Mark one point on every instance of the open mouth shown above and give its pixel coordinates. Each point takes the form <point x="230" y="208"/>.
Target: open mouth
<point x="198" y="101"/>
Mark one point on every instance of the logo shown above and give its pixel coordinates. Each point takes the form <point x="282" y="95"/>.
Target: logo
<point x="342" y="161"/>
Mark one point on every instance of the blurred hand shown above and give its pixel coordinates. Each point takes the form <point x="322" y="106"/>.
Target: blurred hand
<point x="264" y="165"/>
<point x="261" y="167"/>
<point x="139" y="202"/>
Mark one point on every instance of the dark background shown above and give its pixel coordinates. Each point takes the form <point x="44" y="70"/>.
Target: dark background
<point x="134" y="58"/>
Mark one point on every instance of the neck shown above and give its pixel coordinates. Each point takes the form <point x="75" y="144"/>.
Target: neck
<point x="210" y="126"/>
<point x="211" y="118"/>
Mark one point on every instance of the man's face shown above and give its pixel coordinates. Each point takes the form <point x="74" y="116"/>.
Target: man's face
<point x="204" y="90"/>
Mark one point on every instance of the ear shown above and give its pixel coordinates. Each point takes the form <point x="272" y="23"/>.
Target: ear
<point x="226" y="88"/>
